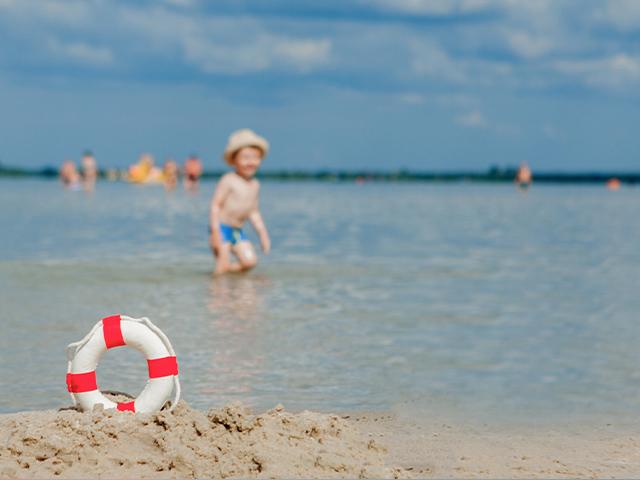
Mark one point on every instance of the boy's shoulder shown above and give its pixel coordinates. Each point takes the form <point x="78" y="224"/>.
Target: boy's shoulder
<point x="232" y="178"/>
<point x="228" y="178"/>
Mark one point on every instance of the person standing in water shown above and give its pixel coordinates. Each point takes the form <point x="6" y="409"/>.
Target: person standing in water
<point x="170" y="174"/>
<point x="89" y="170"/>
<point x="69" y="175"/>
<point x="192" y="172"/>
<point x="235" y="201"/>
<point x="524" y="176"/>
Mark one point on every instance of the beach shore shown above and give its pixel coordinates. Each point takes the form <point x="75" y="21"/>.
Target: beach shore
<point x="433" y="448"/>
<point x="232" y="442"/>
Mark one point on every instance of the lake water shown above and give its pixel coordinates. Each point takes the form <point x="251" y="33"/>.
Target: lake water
<point x="375" y="296"/>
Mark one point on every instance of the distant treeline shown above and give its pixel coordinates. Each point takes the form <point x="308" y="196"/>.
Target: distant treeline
<point x="493" y="174"/>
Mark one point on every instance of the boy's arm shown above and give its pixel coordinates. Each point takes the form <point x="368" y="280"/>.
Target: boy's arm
<point x="220" y="194"/>
<point x="261" y="229"/>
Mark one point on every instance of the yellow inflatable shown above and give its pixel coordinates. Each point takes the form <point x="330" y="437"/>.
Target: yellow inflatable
<point x="144" y="171"/>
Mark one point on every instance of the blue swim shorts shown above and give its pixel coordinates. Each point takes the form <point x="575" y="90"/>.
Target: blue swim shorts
<point x="231" y="234"/>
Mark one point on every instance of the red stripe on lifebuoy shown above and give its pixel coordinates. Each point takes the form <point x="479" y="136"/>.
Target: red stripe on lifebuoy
<point x="162" y="367"/>
<point x="82" y="382"/>
<point x="126" y="406"/>
<point x="112" y="332"/>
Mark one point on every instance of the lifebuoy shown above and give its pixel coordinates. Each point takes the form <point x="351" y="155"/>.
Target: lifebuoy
<point x="116" y="331"/>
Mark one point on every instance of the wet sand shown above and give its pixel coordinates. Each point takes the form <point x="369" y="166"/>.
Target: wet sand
<point x="231" y="442"/>
<point x="429" y="448"/>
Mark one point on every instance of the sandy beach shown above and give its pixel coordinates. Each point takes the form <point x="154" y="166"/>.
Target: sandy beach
<point x="220" y="443"/>
<point x="435" y="449"/>
<point x="232" y="442"/>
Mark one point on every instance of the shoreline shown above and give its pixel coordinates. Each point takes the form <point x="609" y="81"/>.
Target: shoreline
<point x="232" y="442"/>
<point x="432" y="448"/>
<point x="490" y="176"/>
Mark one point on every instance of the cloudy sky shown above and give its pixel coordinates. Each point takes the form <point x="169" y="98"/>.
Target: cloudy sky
<point x="381" y="84"/>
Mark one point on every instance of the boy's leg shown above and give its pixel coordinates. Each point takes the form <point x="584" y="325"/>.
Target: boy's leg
<point x="223" y="260"/>
<point x="246" y="254"/>
<point x="223" y="257"/>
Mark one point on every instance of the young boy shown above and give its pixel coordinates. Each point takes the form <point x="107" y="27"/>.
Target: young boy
<point x="234" y="201"/>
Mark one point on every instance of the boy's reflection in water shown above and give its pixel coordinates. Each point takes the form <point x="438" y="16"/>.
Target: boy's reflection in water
<point x="236" y="306"/>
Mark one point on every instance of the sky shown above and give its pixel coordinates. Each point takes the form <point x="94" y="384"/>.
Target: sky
<point x="431" y="85"/>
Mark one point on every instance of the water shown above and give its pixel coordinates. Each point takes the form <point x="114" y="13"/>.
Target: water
<point x="471" y="297"/>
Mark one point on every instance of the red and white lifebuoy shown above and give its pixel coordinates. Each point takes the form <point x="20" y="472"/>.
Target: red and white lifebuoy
<point x="116" y="331"/>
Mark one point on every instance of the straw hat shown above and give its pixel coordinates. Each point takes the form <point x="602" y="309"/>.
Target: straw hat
<point x="244" y="138"/>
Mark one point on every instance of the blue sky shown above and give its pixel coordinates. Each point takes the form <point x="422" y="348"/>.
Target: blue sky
<point x="381" y="84"/>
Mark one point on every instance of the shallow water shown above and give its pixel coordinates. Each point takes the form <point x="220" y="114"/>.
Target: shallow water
<point x="453" y="296"/>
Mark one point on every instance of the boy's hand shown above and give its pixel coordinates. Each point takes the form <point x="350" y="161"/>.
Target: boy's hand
<point x="215" y="243"/>
<point x="265" y="241"/>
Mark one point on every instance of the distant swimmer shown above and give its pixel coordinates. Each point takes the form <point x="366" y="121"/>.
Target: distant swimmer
<point x="524" y="177"/>
<point x="89" y="170"/>
<point x="69" y="175"/>
<point x="613" y="184"/>
<point x="235" y="201"/>
<point x="170" y="174"/>
<point x="192" y="172"/>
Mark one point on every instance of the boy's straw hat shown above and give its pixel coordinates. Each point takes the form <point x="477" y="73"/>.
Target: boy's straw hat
<point x="244" y="138"/>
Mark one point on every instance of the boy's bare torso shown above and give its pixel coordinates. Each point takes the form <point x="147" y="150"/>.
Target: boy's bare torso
<point x="241" y="200"/>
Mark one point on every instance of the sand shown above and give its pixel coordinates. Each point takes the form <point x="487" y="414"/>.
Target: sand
<point x="452" y="448"/>
<point x="186" y="443"/>
<point x="232" y="442"/>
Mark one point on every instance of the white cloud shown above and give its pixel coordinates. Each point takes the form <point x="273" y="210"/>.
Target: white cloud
<point x="529" y="46"/>
<point x="403" y="57"/>
<point x="533" y="29"/>
<point x="433" y="7"/>
<point x="266" y="52"/>
<point x="213" y="58"/>
<point x="182" y="3"/>
<point x="429" y="59"/>
<point x="71" y="12"/>
<point x="81" y="53"/>
<point x="68" y="12"/>
<point x="473" y="119"/>
<point x="615" y="71"/>
<point x="623" y="15"/>
<point x="221" y="45"/>
<point x="303" y="54"/>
